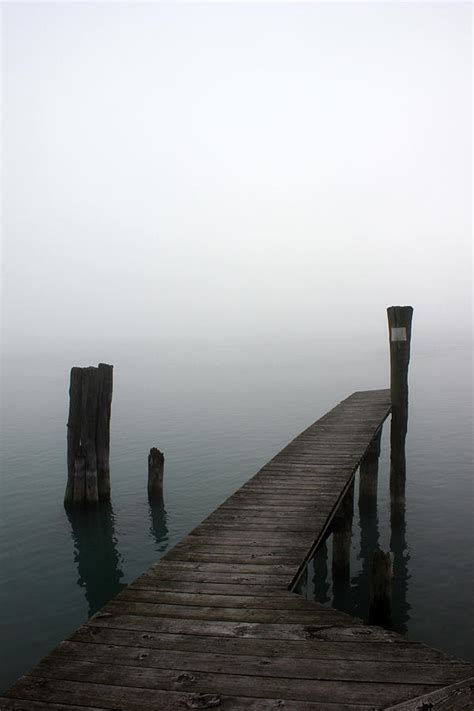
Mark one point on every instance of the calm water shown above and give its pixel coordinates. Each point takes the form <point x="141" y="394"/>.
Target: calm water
<point x="219" y="414"/>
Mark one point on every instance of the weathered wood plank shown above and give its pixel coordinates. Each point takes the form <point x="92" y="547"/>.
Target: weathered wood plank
<point x="125" y="698"/>
<point x="368" y="650"/>
<point x="455" y="697"/>
<point x="328" y="627"/>
<point x="280" y="602"/>
<point x="26" y="705"/>
<point x="60" y="667"/>
<point x="195" y="612"/>
<point x="279" y="667"/>
<point x="250" y="579"/>
<point x="144" y="583"/>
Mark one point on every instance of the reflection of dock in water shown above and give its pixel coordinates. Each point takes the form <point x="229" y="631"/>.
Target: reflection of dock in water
<point x="95" y="552"/>
<point x="401" y="556"/>
<point x="158" y="527"/>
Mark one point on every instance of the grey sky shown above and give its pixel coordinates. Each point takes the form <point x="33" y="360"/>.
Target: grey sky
<point x="234" y="170"/>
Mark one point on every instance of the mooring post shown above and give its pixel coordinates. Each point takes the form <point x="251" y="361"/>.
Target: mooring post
<point x="399" y="322"/>
<point x="342" y="535"/>
<point x="380" y="590"/>
<point x="88" y="435"/>
<point x="368" y="479"/>
<point x="156" y="463"/>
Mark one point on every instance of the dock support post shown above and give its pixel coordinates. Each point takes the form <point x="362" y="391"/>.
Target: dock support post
<point x="156" y="462"/>
<point x="342" y="530"/>
<point x="369" y="470"/>
<point x="399" y="322"/>
<point x="88" y="436"/>
<point x="380" y="590"/>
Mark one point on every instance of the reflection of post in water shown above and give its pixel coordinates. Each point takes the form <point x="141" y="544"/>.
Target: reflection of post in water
<point x="399" y="321"/>
<point x="401" y="556"/>
<point x="341" y="551"/>
<point x="368" y="523"/>
<point x="320" y="576"/>
<point x="98" y="561"/>
<point x="158" y="527"/>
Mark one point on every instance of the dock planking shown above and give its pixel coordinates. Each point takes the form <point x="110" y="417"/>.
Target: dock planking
<point x="215" y="624"/>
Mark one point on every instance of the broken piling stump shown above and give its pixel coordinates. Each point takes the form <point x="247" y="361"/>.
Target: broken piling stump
<point x="156" y="463"/>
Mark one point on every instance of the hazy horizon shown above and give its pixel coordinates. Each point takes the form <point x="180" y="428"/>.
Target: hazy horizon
<point x="236" y="172"/>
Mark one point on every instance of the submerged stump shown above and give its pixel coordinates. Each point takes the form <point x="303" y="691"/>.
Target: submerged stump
<point x="88" y="436"/>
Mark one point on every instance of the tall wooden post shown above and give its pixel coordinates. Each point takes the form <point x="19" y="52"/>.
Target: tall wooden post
<point x="399" y="323"/>
<point x="88" y="436"/>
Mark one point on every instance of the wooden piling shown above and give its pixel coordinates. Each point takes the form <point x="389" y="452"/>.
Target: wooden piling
<point x="156" y="462"/>
<point x="380" y="590"/>
<point x="342" y="535"/>
<point x="88" y="435"/>
<point x="399" y="322"/>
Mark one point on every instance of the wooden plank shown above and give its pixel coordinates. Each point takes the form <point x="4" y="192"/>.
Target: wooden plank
<point x="455" y="697"/>
<point x="125" y="698"/>
<point x="224" y="614"/>
<point x="328" y="627"/>
<point x="173" y="566"/>
<point x="368" y="650"/>
<point x="262" y="578"/>
<point x="250" y="665"/>
<point x="56" y="666"/>
<point x="280" y="602"/>
<point x="26" y="705"/>
<point x="204" y="588"/>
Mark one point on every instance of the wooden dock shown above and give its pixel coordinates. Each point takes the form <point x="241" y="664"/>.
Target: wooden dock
<point x="214" y="623"/>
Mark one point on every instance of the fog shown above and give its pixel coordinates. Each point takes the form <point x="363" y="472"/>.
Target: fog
<point x="237" y="172"/>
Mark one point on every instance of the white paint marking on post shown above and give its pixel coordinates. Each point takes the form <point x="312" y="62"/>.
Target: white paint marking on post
<point x="399" y="334"/>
